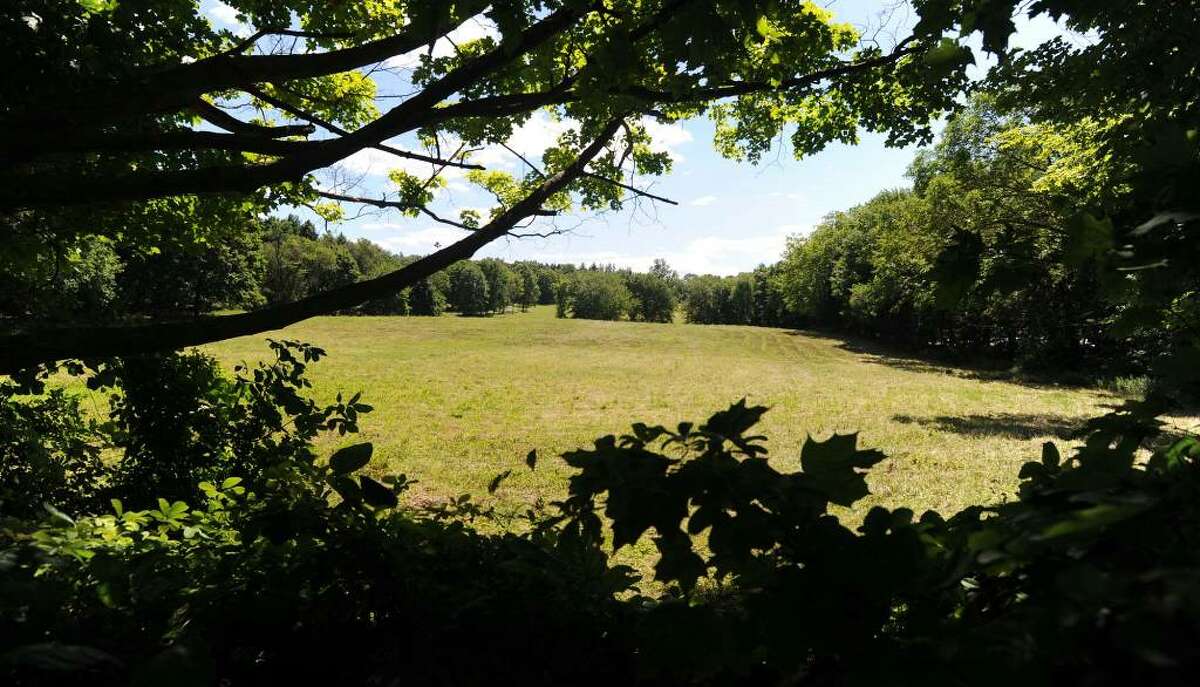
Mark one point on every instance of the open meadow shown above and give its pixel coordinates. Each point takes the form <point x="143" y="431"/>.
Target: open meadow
<point x="458" y="400"/>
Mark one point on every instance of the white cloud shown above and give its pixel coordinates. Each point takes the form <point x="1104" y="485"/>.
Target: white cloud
<point x="224" y="14"/>
<point x="470" y="30"/>
<point x="715" y="254"/>
<point x="704" y="201"/>
<point x="531" y="139"/>
<point x="421" y="241"/>
<point x="374" y="162"/>
<point x="667" y="137"/>
<point x="227" y="17"/>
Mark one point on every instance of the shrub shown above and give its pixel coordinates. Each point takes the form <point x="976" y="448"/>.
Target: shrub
<point x="1092" y="575"/>
<point x="48" y="453"/>
<point x="598" y="296"/>
<point x="653" y="299"/>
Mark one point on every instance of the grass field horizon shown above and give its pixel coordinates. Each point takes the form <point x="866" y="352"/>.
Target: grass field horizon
<point x="458" y="400"/>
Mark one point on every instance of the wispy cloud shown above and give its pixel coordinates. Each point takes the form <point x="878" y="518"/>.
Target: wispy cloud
<point x="667" y="137"/>
<point x="421" y="241"/>
<point x="227" y="17"/>
<point x="470" y="30"/>
<point x="713" y="254"/>
<point x="703" y="201"/>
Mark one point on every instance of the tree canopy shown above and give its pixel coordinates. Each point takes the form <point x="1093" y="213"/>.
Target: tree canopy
<point x="129" y="120"/>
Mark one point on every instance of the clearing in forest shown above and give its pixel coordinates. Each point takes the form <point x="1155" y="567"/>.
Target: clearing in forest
<point x="458" y="400"/>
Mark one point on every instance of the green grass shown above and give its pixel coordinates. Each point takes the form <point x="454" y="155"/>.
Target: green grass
<point x="458" y="400"/>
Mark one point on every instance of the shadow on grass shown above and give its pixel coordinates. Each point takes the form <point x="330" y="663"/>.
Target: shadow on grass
<point x="1005" y="425"/>
<point x="982" y="369"/>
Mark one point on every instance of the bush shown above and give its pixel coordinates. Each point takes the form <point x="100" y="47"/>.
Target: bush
<point x="653" y="299"/>
<point x="597" y="296"/>
<point x="48" y="453"/>
<point x="1091" y="576"/>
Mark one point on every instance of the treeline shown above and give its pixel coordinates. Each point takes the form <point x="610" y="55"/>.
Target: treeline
<point x="753" y="298"/>
<point x="299" y="263"/>
<point x="990" y="254"/>
<point x="607" y="293"/>
<point x="280" y="260"/>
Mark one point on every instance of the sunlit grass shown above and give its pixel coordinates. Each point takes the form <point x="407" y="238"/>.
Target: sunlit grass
<point x="458" y="400"/>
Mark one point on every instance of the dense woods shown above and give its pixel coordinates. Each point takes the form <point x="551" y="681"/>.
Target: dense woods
<point x="210" y="526"/>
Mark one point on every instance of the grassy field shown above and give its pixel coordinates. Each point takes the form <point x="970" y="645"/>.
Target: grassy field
<point x="458" y="400"/>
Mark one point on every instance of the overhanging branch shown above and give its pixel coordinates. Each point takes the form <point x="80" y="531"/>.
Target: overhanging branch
<point x="40" y="190"/>
<point x="31" y="348"/>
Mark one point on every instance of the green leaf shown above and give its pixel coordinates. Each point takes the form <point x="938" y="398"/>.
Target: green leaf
<point x="97" y="6"/>
<point x="350" y="458"/>
<point x="945" y="51"/>
<point x="832" y="466"/>
<point x="231" y="482"/>
<point x="58" y="514"/>
<point x="375" y="494"/>
<point x="1088" y="237"/>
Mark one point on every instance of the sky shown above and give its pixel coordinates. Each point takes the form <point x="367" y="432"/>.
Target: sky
<point x="730" y="218"/>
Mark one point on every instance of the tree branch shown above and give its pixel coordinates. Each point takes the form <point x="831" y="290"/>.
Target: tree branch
<point x="35" y="190"/>
<point x="218" y="117"/>
<point x="156" y="90"/>
<point x="31" y="348"/>
<point x="334" y="128"/>
<point x="631" y="189"/>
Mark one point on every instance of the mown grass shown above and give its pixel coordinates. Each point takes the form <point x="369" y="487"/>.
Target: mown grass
<point x="458" y="400"/>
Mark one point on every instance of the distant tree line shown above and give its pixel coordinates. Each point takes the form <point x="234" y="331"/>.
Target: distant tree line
<point x="608" y="293"/>
<point x="990" y="254"/>
<point x="282" y="259"/>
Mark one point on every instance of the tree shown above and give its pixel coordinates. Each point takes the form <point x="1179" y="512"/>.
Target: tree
<point x="469" y="289"/>
<point x="194" y="279"/>
<point x="653" y="298"/>
<point x="740" y="301"/>
<point x="100" y="120"/>
<point x="297" y="267"/>
<point x="426" y="299"/>
<point x="74" y="283"/>
<point x="598" y="296"/>
<point x="500" y="281"/>
<point x="530" y="291"/>
<point x="702" y="299"/>
<point x="548" y="281"/>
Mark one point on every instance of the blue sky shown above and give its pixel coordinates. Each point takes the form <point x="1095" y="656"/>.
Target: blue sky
<point x="731" y="216"/>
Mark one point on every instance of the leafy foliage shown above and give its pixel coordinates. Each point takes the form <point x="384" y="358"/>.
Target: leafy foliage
<point x="1092" y="573"/>
<point x="593" y="295"/>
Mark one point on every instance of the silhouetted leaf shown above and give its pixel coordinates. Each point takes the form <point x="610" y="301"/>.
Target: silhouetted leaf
<point x="60" y="658"/>
<point x="346" y="488"/>
<point x="350" y="458"/>
<point x="375" y="494"/>
<point x="832" y="466"/>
